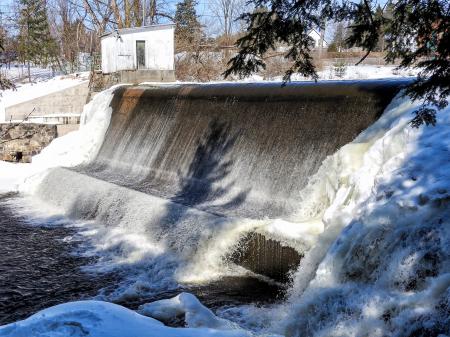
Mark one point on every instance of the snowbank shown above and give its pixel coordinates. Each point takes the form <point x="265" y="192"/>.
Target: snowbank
<point x="102" y="319"/>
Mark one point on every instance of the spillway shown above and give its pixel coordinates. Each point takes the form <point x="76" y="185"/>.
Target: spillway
<point x="184" y="166"/>
<point x="244" y="150"/>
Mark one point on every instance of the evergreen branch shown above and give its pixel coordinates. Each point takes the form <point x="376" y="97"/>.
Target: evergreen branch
<point x="364" y="57"/>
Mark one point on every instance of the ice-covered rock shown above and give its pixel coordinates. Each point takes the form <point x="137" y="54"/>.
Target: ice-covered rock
<point x="196" y="314"/>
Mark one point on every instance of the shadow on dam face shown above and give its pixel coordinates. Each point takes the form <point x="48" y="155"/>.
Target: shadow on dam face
<point x="239" y="150"/>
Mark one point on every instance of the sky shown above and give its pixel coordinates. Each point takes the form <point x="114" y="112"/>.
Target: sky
<point x="203" y="11"/>
<point x="207" y="18"/>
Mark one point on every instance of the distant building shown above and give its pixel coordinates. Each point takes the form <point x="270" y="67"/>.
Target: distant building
<point x="139" y="54"/>
<point x="315" y="35"/>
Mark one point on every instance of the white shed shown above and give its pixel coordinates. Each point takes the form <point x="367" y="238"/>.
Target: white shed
<point x="141" y="48"/>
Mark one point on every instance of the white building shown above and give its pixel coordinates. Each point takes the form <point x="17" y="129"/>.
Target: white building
<point x="315" y="35"/>
<point x="141" y="48"/>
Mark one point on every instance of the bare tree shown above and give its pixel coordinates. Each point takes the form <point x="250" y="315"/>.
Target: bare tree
<point x="158" y="10"/>
<point x="126" y="13"/>
<point x="227" y="13"/>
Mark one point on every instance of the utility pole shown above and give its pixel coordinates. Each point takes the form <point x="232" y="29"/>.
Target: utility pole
<point x="322" y="37"/>
<point x="143" y="13"/>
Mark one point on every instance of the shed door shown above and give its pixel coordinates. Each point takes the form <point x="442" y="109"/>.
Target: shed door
<point x="140" y="54"/>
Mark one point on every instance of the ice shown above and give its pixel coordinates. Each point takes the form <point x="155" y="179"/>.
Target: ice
<point x="196" y="314"/>
<point x="382" y="263"/>
<point x="101" y="319"/>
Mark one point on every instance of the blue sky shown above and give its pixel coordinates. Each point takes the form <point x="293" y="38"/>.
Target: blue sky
<point x="207" y="18"/>
<point x="202" y="9"/>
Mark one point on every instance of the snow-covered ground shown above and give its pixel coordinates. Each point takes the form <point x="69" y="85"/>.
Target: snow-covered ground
<point x="18" y="72"/>
<point x="360" y="72"/>
<point x="28" y="91"/>
<point x="376" y="228"/>
<point x="102" y="319"/>
<point x="351" y="72"/>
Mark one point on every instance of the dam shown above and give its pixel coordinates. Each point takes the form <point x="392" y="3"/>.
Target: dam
<point x="274" y="205"/>
<point x="183" y="164"/>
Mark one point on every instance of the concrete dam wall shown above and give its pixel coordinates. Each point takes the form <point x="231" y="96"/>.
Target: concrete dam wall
<point x="242" y="150"/>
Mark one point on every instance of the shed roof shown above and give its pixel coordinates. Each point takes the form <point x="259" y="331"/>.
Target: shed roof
<point x="123" y="31"/>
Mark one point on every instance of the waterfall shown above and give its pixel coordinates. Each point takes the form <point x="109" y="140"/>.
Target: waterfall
<point x="185" y="166"/>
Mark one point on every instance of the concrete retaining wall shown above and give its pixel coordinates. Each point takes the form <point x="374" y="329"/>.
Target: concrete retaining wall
<point x="101" y="81"/>
<point x="70" y="100"/>
<point x="144" y="75"/>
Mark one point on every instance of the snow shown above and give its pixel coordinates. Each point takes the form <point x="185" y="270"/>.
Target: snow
<point x="28" y="91"/>
<point x="363" y="71"/>
<point x="101" y="319"/>
<point x="82" y="146"/>
<point x="360" y="72"/>
<point x="17" y="72"/>
<point x="13" y="175"/>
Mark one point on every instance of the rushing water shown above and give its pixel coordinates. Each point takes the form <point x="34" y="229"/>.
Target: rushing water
<point x="241" y="150"/>
<point x="38" y="267"/>
<point x="44" y="263"/>
<point x="184" y="173"/>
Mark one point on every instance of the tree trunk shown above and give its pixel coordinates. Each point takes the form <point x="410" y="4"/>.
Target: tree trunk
<point x="322" y="36"/>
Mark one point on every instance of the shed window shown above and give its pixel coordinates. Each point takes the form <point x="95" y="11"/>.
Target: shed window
<point x="140" y="54"/>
